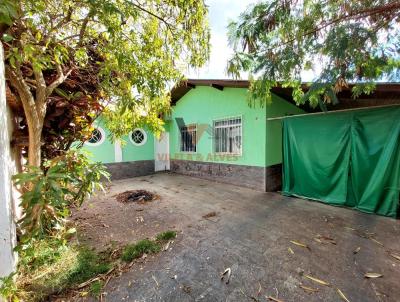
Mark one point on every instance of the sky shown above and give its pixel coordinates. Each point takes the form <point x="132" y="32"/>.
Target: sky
<point x="220" y="13"/>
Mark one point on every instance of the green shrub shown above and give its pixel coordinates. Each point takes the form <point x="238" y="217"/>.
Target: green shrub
<point x="133" y="251"/>
<point x="50" y="191"/>
<point x="165" y="236"/>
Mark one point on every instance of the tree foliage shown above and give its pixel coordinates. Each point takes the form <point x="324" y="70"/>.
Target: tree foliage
<point x="139" y="48"/>
<point x="342" y="41"/>
<point x="65" y="181"/>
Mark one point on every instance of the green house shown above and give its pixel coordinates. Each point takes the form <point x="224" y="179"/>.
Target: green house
<point x="211" y="133"/>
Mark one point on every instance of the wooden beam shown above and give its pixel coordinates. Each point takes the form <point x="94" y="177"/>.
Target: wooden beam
<point x="216" y="86"/>
<point x="328" y="112"/>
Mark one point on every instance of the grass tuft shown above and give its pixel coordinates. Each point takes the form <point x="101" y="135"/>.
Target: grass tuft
<point x="165" y="236"/>
<point x="95" y="288"/>
<point x="47" y="269"/>
<point x="89" y="264"/>
<point x="133" y="251"/>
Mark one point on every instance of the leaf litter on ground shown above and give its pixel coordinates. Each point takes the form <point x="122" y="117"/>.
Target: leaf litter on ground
<point x="317" y="280"/>
<point x="341" y="294"/>
<point x="373" y="275"/>
<point x="300" y="244"/>
<point x="227" y="272"/>
<point x="308" y="289"/>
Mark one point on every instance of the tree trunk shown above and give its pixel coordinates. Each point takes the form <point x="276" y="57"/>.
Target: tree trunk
<point x="35" y="137"/>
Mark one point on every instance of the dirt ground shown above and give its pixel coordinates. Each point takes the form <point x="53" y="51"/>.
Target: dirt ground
<point x="257" y="235"/>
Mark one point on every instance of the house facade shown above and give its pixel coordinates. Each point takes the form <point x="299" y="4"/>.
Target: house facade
<point x="212" y="133"/>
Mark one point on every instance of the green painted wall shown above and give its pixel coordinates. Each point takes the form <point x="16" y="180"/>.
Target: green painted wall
<point x="278" y="108"/>
<point x="201" y="106"/>
<point x="104" y="152"/>
<point x="131" y="152"/>
<point x="204" y="104"/>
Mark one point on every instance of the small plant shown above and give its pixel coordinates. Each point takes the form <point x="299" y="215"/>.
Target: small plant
<point x="38" y="253"/>
<point x="95" y="288"/>
<point x="133" y="251"/>
<point x="49" y="192"/>
<point x="8" y="288"/>
<point x="165" y="236"/>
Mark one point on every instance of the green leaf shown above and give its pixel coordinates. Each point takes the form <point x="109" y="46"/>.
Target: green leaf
<point x="7" y="37"/>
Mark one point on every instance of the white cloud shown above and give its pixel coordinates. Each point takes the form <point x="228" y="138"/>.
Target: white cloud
<point x="220" y="13"/>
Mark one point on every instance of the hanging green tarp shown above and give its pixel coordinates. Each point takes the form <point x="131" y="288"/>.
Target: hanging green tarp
<point x="349" y="158"/>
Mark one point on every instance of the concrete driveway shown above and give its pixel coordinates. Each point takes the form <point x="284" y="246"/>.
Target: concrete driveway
<point x="251" y="234"/>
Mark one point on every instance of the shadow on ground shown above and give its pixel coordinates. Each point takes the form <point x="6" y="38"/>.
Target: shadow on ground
<point x="251" y="234"/>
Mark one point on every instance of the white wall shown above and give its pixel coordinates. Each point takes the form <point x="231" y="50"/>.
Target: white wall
<point x="7" y="168"/>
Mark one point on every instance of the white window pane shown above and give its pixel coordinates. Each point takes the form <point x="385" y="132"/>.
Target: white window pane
<point x="228" y="135"/>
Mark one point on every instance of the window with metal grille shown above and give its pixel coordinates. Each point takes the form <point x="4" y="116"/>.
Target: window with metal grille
<point x="188" y="138"/>
<point x="228" y="136"/>
<point x="96" y="138"/>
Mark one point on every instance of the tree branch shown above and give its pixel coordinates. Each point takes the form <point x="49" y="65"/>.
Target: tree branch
<point x="351" y="15"/>
<point x="17" y="81"/>
<point x="61" y="77"/>
<point x="169" y="26"/>
<point x="40" y="86"/>
<point x="83" y="29"/>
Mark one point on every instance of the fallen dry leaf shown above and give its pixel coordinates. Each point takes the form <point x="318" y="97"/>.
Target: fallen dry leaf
<point x="299" y="244"/>
<point x="356" y="250"/>
<point x="309" y="289"/>
<point x="273" y="299"/>
<point x="373" y="275"/>
<point x="227" y="272"/>
<point x="290" y="250"/>
<point x="317" y="240"/>
<point x="166" y="247"/>
<point x="325" y="239"/>
<point x="155" y="280"/>
<point x="209" y="215"/>
<point x="342" y="295"/>
<point x="259" y="289"/>
<point x="376" y="241"/>
<point x="317" y="280"/>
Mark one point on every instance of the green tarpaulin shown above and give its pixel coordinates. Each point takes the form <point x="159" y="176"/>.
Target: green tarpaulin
<point x="347" y="158"/>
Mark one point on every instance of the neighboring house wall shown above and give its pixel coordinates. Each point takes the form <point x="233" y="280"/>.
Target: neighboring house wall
<point x="7" y="169"/>
<point x="123" y="159"/>
<point x="259" y="165"/>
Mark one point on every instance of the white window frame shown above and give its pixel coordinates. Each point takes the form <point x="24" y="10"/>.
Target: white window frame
<point x="180" y="138"/>
<point x="241" y="134"/>
<point x="144" y="137"/>
<point x="103" y="137"/>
